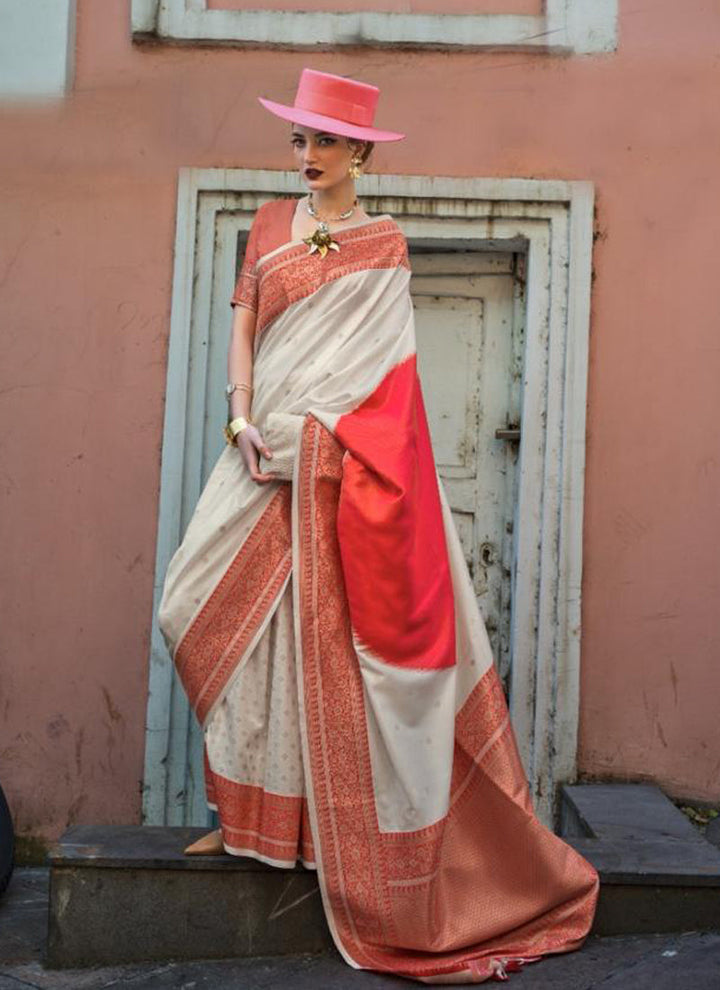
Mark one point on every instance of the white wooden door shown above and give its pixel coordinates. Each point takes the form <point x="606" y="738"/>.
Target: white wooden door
<point x="540" y="548"/>
<point x="468" y="313"/>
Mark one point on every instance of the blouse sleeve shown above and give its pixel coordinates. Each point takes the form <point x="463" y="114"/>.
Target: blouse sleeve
<point x="246" y="286"/>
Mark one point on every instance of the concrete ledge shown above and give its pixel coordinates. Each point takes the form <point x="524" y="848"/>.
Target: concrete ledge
<point x="121" y="894"/>
<point x="127" y="893"/>
<point x="657" y="871"/>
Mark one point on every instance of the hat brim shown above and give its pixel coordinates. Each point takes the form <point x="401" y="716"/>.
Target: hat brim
<point x="330" y="124"/>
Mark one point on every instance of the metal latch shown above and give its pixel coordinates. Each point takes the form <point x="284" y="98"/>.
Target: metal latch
<point x="506" y="433"/>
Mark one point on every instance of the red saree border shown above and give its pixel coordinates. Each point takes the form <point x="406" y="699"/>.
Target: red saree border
<point x="430" y="903"/>
<point x="271" y="827"/>
<point x="221" y="632"/>
<point x="293" y="274"/>
<point x="339" y="767"/>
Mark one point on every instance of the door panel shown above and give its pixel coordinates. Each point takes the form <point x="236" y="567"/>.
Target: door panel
<point x="467" y="346"/>
<point x="448" y="364"/>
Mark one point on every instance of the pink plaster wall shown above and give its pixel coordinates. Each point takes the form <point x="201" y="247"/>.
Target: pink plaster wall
<point x="87" y="204"/>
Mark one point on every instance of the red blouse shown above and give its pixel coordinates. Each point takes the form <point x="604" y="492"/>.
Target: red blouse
<point x="270" y="229"/>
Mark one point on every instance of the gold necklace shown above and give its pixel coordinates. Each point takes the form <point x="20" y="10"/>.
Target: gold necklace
<point x="321" y="240"/>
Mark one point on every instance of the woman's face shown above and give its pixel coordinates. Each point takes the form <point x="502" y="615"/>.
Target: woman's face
<point x="322" y="158"/>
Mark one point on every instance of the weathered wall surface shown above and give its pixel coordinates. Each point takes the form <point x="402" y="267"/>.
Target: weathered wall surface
<point x="88" y="211"/>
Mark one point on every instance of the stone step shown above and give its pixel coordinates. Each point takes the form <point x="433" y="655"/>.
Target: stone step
<point x="657" y="871"/>
<point x="127" y="893"/>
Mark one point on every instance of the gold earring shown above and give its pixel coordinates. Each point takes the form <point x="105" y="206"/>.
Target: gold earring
<point x="354" y="169"/>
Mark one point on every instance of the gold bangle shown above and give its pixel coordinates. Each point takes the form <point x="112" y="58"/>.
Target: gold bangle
<point x="234" y="427"/>
<point x="231" y="386"/>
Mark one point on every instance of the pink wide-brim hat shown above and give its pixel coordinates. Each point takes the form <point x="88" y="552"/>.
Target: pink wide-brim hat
<point x="334" y="104"/>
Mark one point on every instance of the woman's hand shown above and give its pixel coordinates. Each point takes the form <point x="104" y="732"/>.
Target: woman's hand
<point x="250" y="442"/>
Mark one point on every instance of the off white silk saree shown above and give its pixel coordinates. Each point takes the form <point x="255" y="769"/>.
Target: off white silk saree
<point x="327" y="634"/>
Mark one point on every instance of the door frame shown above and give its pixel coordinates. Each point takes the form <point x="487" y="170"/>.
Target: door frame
<point x="552" y="223"/>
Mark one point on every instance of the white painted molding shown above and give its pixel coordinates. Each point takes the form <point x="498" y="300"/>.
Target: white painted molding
<point x="567" y="26"/>
<point x="585" y="26"/>
<point x="144" y="16"/>
<point x="37" y="49"/>
<point x="551" y="221"/>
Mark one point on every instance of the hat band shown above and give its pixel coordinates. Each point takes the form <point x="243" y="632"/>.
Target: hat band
<point x="331" y="106"/>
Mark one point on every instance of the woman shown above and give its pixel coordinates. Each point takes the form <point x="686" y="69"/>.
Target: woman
<point x="321" y="616"/>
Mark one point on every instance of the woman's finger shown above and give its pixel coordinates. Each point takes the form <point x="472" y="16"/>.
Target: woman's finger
<point x="254" y="436"/>
<point x="249" y="455"/>
<point x="250" y="442"/>
<point x="261" y="477"/>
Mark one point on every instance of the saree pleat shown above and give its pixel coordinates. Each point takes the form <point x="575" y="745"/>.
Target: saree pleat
<point x="326" y="631"/>
<point x="253" y="762"/>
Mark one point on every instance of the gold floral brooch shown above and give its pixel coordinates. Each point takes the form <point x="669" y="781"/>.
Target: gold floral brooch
<point x="321" y="240"/>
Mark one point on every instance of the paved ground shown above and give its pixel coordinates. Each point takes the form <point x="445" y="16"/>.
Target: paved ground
<point x="649" y="962"/>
